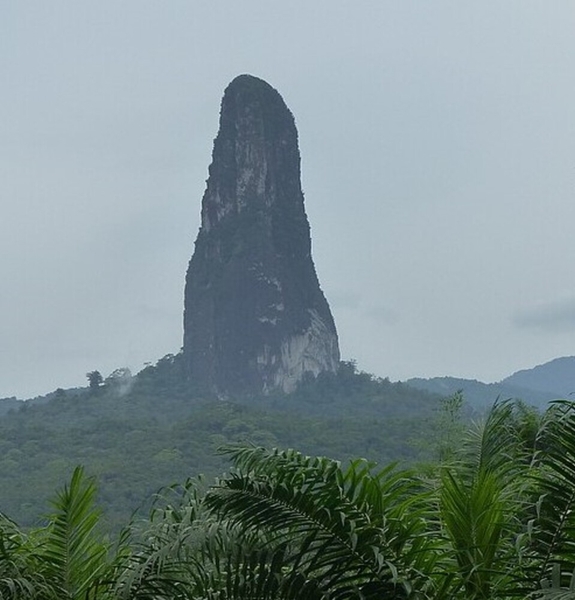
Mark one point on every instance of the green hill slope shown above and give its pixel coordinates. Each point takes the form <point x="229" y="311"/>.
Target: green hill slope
<point x="155" y="431"/>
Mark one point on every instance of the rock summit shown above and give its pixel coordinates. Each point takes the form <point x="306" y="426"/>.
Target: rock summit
<point x="255" y="318"/>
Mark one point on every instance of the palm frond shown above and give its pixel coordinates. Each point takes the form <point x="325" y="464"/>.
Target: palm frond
<point x="18" y="577"/>
<point x="482" y="499"/>
<point x="161" y="556"/>
<point x="73" y="555"/>
<point x="186" y="553"/>
<point x="553" y="542"/>
<point x="552" y="588"/>
<point x="349" y="531"/>
<point x="494" y="444"/>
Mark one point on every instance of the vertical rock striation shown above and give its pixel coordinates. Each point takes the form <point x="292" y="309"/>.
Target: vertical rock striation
<point x="255" y="318"/>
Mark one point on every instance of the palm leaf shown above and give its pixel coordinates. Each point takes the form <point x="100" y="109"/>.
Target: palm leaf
<point x="552" y="588"/>
<point x="158" y="563"/>
<point x="553" y="539"/>
<point x="482" y="500"/>
<point x="18" y="576"/>
<point x="72" y="553"/>
<point x="185" y="552"/>
<point x="349" y="532"/>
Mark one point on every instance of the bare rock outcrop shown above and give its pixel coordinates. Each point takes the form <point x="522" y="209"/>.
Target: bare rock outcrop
<point x="255" y="318"/>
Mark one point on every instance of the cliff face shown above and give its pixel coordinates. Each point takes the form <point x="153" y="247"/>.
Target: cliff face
<point x="255" y="318"/>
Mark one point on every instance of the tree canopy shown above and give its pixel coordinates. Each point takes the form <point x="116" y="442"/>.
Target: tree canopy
<point x="493" y="520"/>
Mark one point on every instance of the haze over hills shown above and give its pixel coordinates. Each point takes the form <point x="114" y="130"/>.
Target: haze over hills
<point x="481" y="395"/>
<point x="158" y="430"/>
<point x="260" y="361"/>
<point x="557" y="375"/>
<point x="537" y="386"/>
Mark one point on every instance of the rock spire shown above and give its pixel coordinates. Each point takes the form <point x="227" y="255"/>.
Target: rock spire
<point x="255" y="318"/>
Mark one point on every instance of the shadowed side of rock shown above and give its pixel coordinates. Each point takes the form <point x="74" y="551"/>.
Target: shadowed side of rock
<point x="255" y="318"/>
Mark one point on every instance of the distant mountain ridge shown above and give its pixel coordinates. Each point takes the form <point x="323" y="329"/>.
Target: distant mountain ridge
<point x="557" y="375"/>
<point x="481" y="395"/>
<point x="536" y="386"/>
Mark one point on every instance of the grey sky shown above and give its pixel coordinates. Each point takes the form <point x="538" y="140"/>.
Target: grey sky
<point x="438" y="159"/>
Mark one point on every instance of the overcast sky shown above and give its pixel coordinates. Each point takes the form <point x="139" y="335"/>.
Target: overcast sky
<point x="438" y="161"/>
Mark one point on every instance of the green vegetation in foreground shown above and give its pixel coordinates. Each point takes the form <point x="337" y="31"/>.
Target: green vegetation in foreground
<point x="137" y="434"/>
<point x="494" y="521"/>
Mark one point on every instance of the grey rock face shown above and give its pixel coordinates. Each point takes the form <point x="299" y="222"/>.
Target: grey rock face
<point x="255" y="318"/>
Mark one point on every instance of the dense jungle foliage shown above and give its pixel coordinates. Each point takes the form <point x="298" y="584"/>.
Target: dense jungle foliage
<point x="492" y="520"/>
<point x="137" y="434"/>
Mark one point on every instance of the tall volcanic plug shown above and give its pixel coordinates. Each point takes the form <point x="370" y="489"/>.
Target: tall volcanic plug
<point x="255" y="318"/>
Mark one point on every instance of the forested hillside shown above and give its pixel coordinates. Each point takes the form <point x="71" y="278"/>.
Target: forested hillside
<point x="136" y="434"/>
<point x="492" y="519"/>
